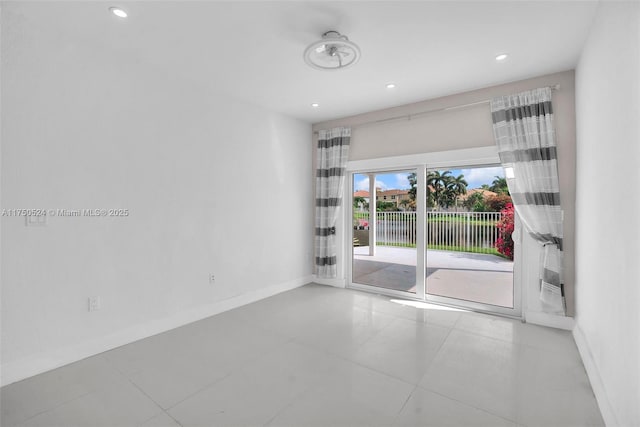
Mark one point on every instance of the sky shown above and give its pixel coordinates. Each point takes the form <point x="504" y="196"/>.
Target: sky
<point x="475" y="177"/>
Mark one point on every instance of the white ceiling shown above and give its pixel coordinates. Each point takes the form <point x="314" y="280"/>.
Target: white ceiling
<point x="253" y="50"/>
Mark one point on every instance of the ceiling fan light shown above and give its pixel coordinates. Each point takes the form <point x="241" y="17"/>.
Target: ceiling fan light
<point x="333" y="52"/>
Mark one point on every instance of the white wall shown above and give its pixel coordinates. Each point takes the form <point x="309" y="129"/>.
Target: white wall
<point x="470" y="128"/>
<point x="608" y="206"/>
<point x="212" y="186"/>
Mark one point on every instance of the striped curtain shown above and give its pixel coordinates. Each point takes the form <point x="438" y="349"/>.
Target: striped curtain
<point x="525" y="134"/>
<point x="333" y="150"/>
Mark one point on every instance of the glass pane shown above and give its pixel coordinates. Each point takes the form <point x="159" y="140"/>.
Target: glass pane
<point x="469" y="247"/>
<point x="384" y="248"/>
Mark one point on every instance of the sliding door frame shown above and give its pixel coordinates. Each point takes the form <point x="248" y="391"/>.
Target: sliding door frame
<point x="420" y="163"/>
<point x="514" y="311"/>
<point x="420" y="234"/>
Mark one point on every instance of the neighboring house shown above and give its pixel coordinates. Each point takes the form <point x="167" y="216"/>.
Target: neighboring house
<point x="393" y="196"/>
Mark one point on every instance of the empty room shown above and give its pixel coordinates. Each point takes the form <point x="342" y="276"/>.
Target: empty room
<point x="320" y="213"/>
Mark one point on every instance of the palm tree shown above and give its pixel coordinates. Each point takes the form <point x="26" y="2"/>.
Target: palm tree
<point x="458" y="187"/>
<point x="413" y="181"/>
<point x="459" y="184"/>
<point x="443" y="189"/>
<point x="437" y="183"/>
<point x="408" y="204"/>
<point x="499" y="185"/>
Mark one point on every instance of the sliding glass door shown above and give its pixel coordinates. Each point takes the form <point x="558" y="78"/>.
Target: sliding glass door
<point x="443" y="235"/>
<point x="384" y="251"/>
<point x="469" y="245"/>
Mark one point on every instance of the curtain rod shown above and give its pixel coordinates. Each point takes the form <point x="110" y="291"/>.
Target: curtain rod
<point x="435" y="110"/>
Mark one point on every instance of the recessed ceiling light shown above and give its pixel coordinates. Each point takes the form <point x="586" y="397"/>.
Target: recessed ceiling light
<point x="391" y="85"/>
<point x="502" y="57"/>
<point x="315" y="105"/>
<point x="120" y="13"/>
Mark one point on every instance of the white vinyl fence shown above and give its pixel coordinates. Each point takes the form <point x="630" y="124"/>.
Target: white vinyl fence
<point x="460" y="231"/>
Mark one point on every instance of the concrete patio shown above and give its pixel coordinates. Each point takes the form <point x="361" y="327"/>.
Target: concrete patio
<point x="466" y="276"/>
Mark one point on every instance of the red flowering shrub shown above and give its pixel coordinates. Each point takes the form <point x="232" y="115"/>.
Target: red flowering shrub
<point x="498" y="202"/>
<point x="504" y="244"/>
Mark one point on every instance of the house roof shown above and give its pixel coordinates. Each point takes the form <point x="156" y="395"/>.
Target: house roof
<point x="485" y="193"/>
<point x="393" y="192"/>
<point x="361" y="193"/>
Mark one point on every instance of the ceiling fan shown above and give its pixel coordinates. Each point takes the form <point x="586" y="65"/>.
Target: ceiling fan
<point x="333" y="52"/>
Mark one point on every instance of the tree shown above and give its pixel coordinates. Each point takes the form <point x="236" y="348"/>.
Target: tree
<point x="474" y="199"/>
<point x="437" y="188"/>
<point x="385" y="206"/>
<point x="359" y="201"/>
<point x="459" y="185"/>
<point x="443" y="189"/>
<point x="408" y="204"/>
<point x="456" y="187"/>
<point x="499" y="185"/>
<point x="480" y="206"/>
<point x="437" y="183"/>
<point x="413" y="182"/>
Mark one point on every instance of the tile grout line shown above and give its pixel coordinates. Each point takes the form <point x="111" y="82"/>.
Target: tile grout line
<point x="278" y="342"/>
<point x="405" y="403"/>
<point x="87" y="393"/>
<point x="372" y="369"/>
<point x="288" y="405"/>
<point x="228" y="374"/>
<point x="130" y="381"/>
<point x="469" y="405"/>
<point x="55" y="407"/>
<point x="457" y="400"/>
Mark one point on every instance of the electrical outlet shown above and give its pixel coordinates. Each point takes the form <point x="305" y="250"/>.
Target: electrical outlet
<point x="212" y="279"/>
<point x="94" y="303"/>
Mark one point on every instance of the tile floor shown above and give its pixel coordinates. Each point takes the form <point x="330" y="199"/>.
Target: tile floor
<point x="320" y="356"/>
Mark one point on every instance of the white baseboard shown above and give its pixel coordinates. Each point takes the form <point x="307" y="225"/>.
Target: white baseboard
<point x="43" y="362"/>
<point x="550" y="320"/>
<point x="608" y="415"/>
<point x="336" y="283"/>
